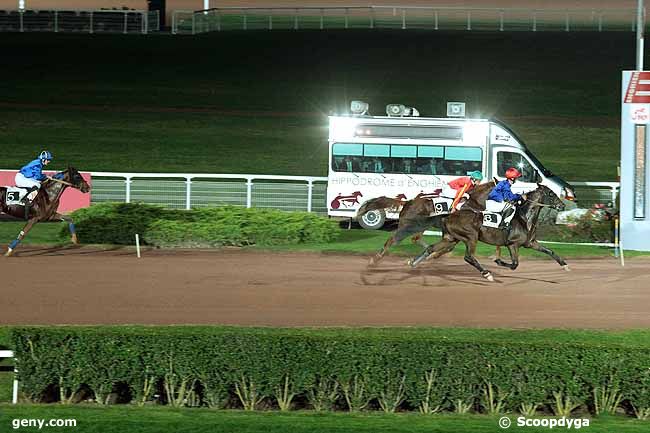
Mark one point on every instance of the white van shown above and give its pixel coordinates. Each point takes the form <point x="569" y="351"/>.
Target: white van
<point x="402" y="155"/>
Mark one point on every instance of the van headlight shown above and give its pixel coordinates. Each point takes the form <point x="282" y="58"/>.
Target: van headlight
<point x="567" y="194"/>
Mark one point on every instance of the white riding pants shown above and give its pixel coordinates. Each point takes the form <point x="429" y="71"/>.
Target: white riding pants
<point x="495" y="206"/>
<point x="26" y="182"/>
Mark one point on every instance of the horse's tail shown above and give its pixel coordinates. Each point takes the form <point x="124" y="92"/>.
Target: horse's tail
<point x="380" y="203"/>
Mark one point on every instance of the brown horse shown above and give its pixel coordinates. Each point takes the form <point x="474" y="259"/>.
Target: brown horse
<point x="467" y="226"/>
<point x="414" y="218"/>
<point x="45" y="204"/>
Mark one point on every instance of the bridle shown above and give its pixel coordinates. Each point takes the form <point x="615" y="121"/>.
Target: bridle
<point x="53" y="179"/>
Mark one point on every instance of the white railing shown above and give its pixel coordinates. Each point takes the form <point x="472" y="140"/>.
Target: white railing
<point x="188" y="190"/>
<point x="9" y="354"/>
<point x="79" y="21"/>
<point x="402" y="17"/>
<point x="185" y="190"/>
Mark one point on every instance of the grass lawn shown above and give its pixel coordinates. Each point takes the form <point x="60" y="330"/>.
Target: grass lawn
<point x="160" y="104"/>
<point x="356" y="241"/>
<point x="158" y="420"/>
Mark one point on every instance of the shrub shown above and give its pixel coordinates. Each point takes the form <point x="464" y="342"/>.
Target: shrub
<point x="349" y="369"/>
<point x="112" y="223"/>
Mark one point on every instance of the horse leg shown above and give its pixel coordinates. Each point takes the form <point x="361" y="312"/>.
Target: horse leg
<point x="380" y="255"/>
<point x="497" y="254"/>
<point x="20" y="237"/>
<point x="418" y="239"/>
<point x="470" y="250"/>
<point x="71" y="227"/>
<point x="514" y="258"/>
<point x="434" y="251"/>
<point x="537" y="247"/>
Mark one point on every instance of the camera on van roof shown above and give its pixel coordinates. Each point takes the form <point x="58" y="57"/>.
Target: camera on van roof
<point x="401" y="110"/>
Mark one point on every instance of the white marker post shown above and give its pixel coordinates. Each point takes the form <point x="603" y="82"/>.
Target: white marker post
<point x="137" y="244"/>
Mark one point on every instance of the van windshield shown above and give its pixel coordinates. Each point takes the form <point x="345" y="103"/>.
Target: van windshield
<point x="538" y="163"/>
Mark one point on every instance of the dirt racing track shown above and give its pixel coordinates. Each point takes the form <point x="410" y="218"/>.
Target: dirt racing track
<point x="90" y="286"/>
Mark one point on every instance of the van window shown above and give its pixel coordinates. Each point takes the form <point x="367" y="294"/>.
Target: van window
<point x="505" y="160"/>
<point x="408" y="159"/>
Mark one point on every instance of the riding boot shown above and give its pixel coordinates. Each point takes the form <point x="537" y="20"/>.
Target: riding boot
<point x="25" y="200"/>
<point x="505" y="216"/>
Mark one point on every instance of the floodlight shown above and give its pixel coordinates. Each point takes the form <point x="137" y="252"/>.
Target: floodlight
<point x="395" y="110"/>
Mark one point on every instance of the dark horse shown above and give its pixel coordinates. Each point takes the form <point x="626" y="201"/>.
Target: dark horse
<point x="45" y="204"/>
<point x="466" y="225"/>
<point x="414" y="218"/>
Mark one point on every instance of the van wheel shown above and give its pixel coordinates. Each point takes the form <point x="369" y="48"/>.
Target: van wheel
<point x="373" y="220"/>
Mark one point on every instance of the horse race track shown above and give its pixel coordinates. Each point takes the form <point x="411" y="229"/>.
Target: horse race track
<point x="90" y="286"/>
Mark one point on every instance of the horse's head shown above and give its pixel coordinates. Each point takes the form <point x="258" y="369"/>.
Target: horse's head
<point x="544" y="195"/>
<point x="74" y="178"/>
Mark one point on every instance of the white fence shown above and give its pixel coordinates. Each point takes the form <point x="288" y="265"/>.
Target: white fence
<point x="79" y="21"/>
<point x="185" y="191"/>
<point x="307" y="193"/>
<point x="403" y="17"/>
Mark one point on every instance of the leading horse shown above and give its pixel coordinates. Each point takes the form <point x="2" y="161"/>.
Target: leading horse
<point x="45" y="204"/>
<point x="466" y="226"/>
<point x="415" y="216"/>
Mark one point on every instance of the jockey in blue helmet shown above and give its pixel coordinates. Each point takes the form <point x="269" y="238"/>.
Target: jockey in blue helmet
<point x="31" y="175"/>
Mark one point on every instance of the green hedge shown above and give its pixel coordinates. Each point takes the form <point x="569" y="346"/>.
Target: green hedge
<point x="117" y="223"/>
<point x="332" y="369"/>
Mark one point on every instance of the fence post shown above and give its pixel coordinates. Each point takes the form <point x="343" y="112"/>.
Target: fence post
<point x="193" y="23"/>
<point x="435" y="20"/>
<point x="501" y="20"/>
<point x="403" y="19"/>
<point x="14" y="393"/>
<point x="249" y="192"/>
<point x="566" y="26"/>
<point x="295" y="21"/>
<point x="346" y="17"/>
<point x="128" y="181"/>
<point x="174" y="23"/>
<point x="321" y="18"/>
<point x="372" y="18"/>
<point x="310" y="189"/>
<point x="469" y="20"/>
<point x="534" y="21"/>
<point x="20" y="13"/>
<point x="188" y="192"/>
<point x="91" y="22"/>
<point x="270" y="21"/>
<point x="145" y="22"/>
<point x="600" y="22"/>
<point x="245" y="23"/>
<point x="126" y="24"/>
<point x="56" y="21"/>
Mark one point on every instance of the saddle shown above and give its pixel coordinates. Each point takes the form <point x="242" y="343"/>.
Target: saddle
<point x="496" y="220"/>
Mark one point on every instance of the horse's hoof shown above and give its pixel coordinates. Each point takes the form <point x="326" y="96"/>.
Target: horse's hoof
<point x="489" y="277"/>
<point x="411" y="263"/>
<point x="566" y="268"/>
<point x="9" y="252"/>
<point x="372" y="262"/>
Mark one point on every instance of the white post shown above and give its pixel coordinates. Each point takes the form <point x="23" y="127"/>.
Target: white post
<point x="91" y="22"/>
<point x="128" y="181"/>
<point x="639" y="35"/>
<point x="206" y="5"/>
<point x="501" y="21"/>
<point x="310" y="189"/>
<point x="137" y="245"/>
<point x="249" y="192"/>
<point x="21" y="4"/>
<point x="125" y="23"/>
<point x="188" y="193"/>
<point x="56" y="21"/>
<point x="14" y="394"/>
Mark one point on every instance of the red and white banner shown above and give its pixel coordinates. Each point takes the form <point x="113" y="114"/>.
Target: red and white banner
<point x="72" y="199"/>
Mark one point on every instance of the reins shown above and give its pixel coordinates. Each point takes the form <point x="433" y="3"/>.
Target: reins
<point x="61" y="181"/>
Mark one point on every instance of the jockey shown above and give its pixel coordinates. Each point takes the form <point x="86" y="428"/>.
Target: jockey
<point x="31" y="175"/>
<point x="500" y="197"/>
<point x="459" y="188"/>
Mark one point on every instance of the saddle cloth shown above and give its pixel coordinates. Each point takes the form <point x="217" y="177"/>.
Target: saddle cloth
<point x="441" y="205"/>
<point x="493" y="219"/>
<point x="14" y="195"/>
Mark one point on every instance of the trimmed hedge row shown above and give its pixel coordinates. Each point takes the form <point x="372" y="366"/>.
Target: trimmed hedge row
<point x="117" y="223"/>
<point x="330" y="369"/>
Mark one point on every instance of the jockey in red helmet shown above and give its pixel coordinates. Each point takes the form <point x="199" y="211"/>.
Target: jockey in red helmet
<point x="460" y="188"/>
<point x="501" y="197"/>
